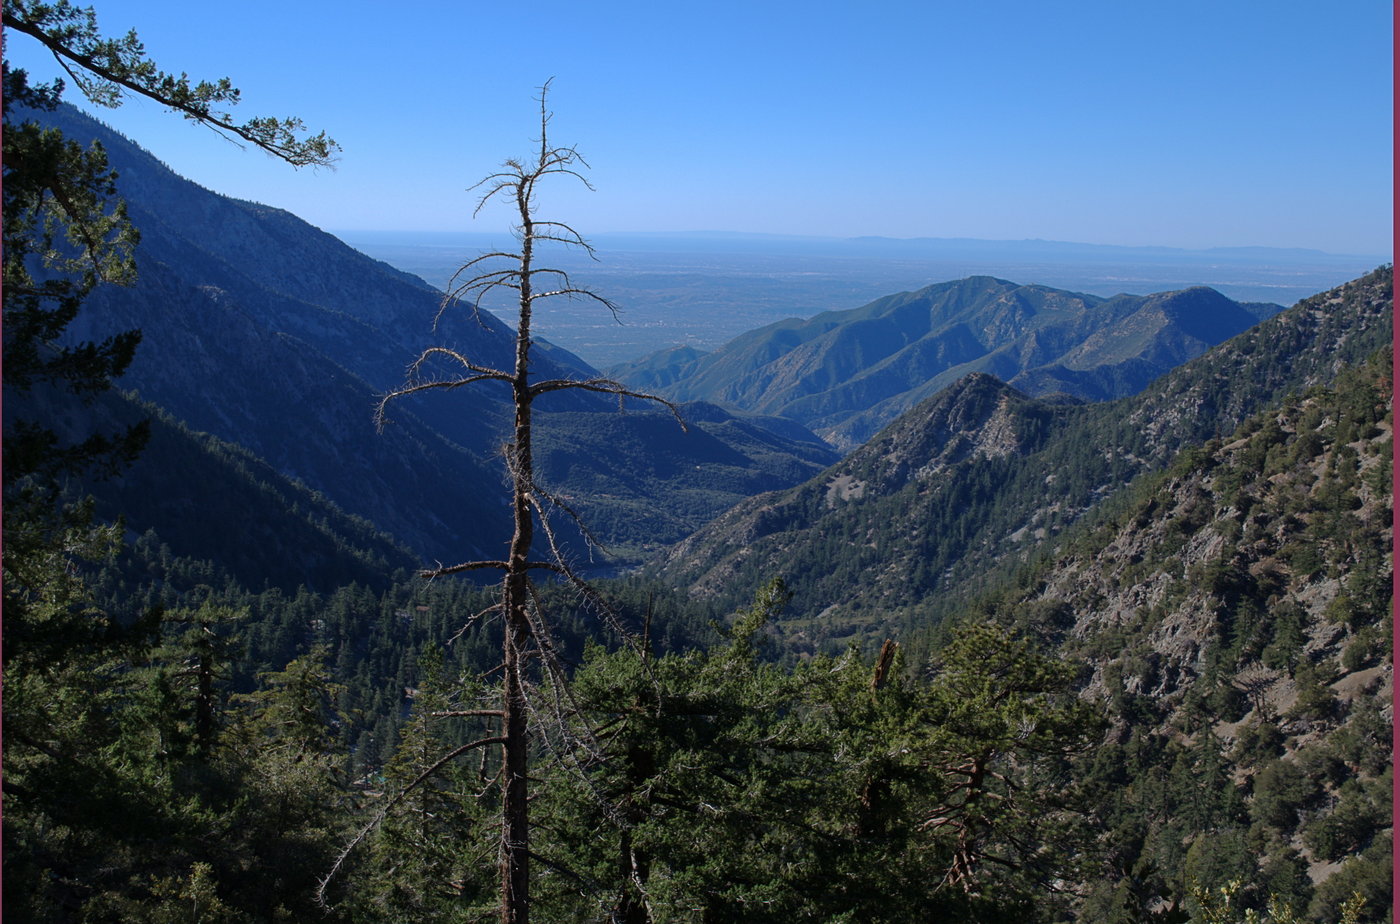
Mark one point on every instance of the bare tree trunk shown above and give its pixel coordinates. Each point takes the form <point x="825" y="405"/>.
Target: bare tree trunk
<point x="515" y="824"/>
<point x="633" y="871"/>
<point x="515" y="789"/>
<point x="525" y="637"/>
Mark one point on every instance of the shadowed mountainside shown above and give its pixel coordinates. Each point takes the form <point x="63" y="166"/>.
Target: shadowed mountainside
<point x="276" y="337"/>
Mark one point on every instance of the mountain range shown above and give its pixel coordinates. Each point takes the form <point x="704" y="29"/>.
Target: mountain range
<point x="272" y="336"/>
<point x="845" y="374"/>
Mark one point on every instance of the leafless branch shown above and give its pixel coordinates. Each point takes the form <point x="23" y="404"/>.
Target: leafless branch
<point x="575" y="292"/>
<point x="609" y="387"/>
<point x="572" y="156"/>
<point x="430" y="352"/>
<point x="465" y="566"/>
<point x="556" y="501"/>
<point x="493" y="608"/>
<point x="381" y="414"/>
<point x="388" y="807"/>
<point x="477" y="289"/>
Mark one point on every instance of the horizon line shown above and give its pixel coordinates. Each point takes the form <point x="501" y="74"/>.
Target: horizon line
<point x="774" y="236"/>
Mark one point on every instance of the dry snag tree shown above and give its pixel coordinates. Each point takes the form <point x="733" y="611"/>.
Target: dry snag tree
<point x="526" y="636"/>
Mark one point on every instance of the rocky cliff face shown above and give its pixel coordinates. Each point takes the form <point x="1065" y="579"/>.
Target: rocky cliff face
<point x="1234" y="613"/>
<point x="977" y="421"/>
<point x="978" y="418"/>
<point x="1291" y="512"/>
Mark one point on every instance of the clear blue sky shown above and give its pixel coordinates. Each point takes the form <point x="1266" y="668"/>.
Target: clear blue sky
<point x="1194" y="123"/>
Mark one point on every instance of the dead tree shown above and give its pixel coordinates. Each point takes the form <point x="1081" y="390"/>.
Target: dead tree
<point x="526" y="637"/>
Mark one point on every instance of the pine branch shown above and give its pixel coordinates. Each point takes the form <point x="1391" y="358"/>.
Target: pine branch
<point x="120" y="65"/>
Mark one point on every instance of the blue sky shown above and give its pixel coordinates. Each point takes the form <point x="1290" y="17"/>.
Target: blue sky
<point x="1187" y="124"/>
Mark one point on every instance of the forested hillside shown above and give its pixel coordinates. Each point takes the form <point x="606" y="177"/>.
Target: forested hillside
<point x="907" y="526"/>
<point x="1204" y="669"/>
<point x="1233" y="615"/>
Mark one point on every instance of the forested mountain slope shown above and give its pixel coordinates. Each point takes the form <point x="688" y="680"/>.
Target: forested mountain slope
<point x="1228" y="619"/>
<point x="914" y="520"/>
<point x="267" y="529"/>
<point x="274" y="336"/>
<point x="1233" y="614"/>
<point x="845" y="374"/>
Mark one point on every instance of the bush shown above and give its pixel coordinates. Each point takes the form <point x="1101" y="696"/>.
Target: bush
<point x="1351" y="826"/>
<point x="1285" y="878"/>
<point x="1216" y="858"/>
<point x="1281" y="790"/>
<point x="1258" y="742"/>
<point x="1368" y="876"/>
<point x="1315" y="698"/>
<point x="1362" y="650"/>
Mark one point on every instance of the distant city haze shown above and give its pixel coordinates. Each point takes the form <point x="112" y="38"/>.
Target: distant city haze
<point x="703" y="289"/>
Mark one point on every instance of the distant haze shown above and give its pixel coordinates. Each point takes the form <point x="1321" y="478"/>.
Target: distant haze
<point x="703" y="289"/>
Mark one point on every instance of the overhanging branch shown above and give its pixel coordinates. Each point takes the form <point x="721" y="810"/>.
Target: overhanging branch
<point x="71" y="37"/>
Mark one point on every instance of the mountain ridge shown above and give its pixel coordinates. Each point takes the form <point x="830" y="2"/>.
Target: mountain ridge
<point x="1231" y="612"/>
<point x="904" y="555"/>
<point x="844" y="374"/>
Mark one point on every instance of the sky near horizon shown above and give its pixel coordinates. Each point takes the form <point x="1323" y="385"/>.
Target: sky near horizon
<point x="1191" y="124"/>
